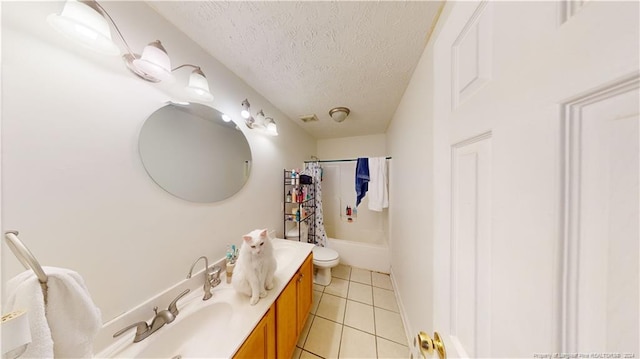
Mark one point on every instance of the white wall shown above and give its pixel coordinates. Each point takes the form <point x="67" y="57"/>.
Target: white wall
<point x="410" y="137"/>
<point x="72" y="181"/>
<point x="352" y="147"/>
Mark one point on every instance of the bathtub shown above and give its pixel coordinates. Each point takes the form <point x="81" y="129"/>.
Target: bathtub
<point x="371" y="256"/>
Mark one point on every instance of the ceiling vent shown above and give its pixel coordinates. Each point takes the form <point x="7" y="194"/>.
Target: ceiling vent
<point x="309" y="118"/>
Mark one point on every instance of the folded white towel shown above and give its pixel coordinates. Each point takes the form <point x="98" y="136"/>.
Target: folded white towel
<point x="72" y="319"/>
<point x="378" y="193"/>
<point x="24" y="292"/>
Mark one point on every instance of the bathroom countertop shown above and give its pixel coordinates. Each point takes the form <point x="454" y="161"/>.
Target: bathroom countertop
<point x="222" y="334"/>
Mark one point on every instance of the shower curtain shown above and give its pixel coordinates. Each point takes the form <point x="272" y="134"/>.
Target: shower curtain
<point x="313" y="169"/>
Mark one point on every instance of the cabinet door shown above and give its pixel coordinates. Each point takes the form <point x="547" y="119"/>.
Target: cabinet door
<point x="262" y="341"/>
<point x="286" y="319"/>
<point x="305" y="291"/>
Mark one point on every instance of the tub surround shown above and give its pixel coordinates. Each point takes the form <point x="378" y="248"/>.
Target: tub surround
<point x="364" y="243"/>
<point x="243" y="316"/>
<point x="371" y="256"/>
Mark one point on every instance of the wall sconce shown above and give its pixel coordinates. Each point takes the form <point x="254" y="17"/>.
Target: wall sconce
<point x="339" y="114"/>
<point x="85" y="21"/>
<point x="198" y="86"/>
<point x="259" y="122"/>
<point x="153" y="65"/>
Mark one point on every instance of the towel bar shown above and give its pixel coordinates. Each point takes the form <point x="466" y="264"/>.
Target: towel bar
<point x="27" y="259"/>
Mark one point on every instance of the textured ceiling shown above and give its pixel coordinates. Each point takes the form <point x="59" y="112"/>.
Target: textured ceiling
<point x="307" y="57"/>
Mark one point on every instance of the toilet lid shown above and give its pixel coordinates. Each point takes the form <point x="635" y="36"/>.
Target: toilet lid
<point x="324" y="254"/>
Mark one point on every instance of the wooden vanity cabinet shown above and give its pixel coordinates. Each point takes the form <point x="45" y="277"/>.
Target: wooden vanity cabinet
<point x="292" y="309"/>
<point x="262" y="340"/>
<point x="305" y="292"/>
<point x="277" y="333"/>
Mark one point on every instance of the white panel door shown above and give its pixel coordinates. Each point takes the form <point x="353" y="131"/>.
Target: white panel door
<point x="601" y="244"/>
<point x="470" y="270"/>
<point x="536" y="230"/>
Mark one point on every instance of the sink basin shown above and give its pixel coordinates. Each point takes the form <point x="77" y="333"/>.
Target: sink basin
<point x="284" y="252"/>
<point x="215" y="328"/>
<point x="188" y="337"/>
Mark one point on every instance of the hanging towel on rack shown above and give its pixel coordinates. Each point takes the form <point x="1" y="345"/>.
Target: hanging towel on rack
<point x="24" y="292"/>
<point x="70" y="322"/>
<point x="378" y="192"/>
<point x="362" y="179"/>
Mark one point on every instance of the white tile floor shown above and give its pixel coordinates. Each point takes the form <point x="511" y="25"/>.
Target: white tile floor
<point x="356" y="316"/>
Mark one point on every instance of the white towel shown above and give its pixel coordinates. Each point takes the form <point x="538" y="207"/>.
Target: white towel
<point x="378" y="193"/>
<point x="72" y="319"/>
<point x="24" y="292"/>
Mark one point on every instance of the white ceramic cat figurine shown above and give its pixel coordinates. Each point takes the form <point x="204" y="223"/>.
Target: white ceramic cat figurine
<point x="255" y="266"/>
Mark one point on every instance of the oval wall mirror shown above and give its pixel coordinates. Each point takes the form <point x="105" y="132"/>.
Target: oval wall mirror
<point x="192" y="153"/>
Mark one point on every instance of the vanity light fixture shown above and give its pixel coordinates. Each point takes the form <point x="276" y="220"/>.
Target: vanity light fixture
<point x="153" y="65"/>
<point x="339" y="114"/>
<point x="270" y="126"/>
<point x="260" y="122"/>
<point x="87" y="22"/>
<point x="259" y="118"/>
<point x="245" y="109"/>
<point x="198" y="86"/>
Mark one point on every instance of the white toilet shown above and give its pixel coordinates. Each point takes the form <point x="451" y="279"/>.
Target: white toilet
<point x="323" y="260"/>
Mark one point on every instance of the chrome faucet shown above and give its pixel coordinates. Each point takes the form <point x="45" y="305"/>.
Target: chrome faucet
<point x="166" y="316"/>
<point x="142" y="331"/>
<point x="173" y="307"/>
<point x="160" y="319"/>
<point x="211" y="277"/>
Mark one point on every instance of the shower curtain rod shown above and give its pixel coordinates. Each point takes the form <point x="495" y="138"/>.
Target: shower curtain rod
<point x="344" y="160"/>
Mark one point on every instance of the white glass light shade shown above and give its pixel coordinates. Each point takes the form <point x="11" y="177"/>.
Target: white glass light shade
<point x="250" y="122"/>
<point x="198" y="86"/>
<point x="270" y="127"/>
<point x="245" y="109"/>
<point x="260" y="118"/>
<point x="154" y="62"/>
<point x="339" y="114"/>
<point x="82" y="23"/>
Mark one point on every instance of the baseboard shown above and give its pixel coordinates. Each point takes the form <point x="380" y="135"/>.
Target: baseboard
<point x="407" y="331"/>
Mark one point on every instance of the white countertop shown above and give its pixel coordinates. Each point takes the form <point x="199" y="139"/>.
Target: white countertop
<point x="215" y="328"/>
